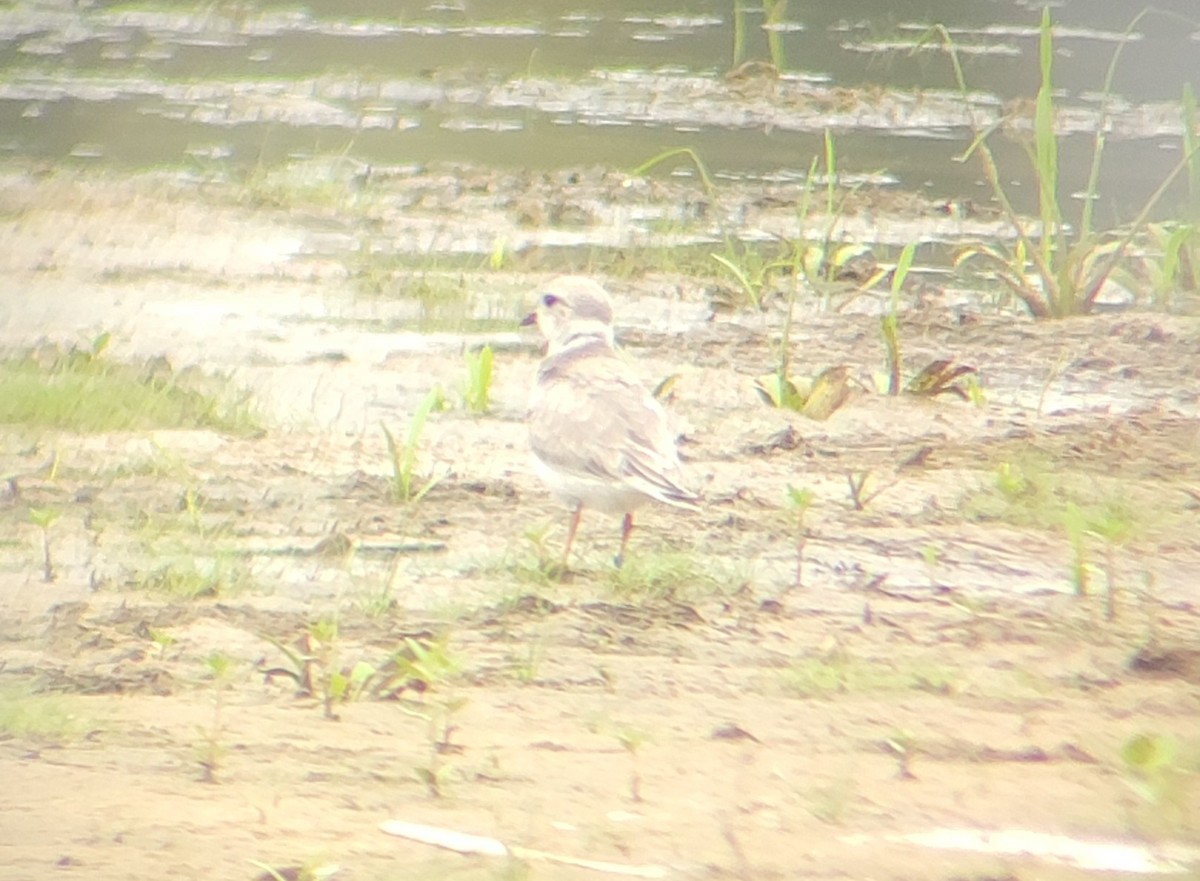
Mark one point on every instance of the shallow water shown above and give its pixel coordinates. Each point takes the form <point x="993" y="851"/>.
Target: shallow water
<point x="546" y="86"/>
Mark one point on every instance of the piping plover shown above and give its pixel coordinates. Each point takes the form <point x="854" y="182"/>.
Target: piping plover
<point x="599" y="439"/>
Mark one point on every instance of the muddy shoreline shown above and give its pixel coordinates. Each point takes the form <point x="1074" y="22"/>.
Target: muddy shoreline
<point x="934" y="671"/>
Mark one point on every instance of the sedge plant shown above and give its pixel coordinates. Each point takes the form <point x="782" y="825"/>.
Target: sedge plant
<point x="317" y="668"/>
<point x="1162" y="771"/>
<point x="477" y="391"/>
<point x="407" y="486"/>
<point x="1175" y="264"/>
<point x="817" y="264"/>
<point x="799" y="501"/>
<point x="1054" y="268"/>
<point x="773" y="12"/>
<point x="210" y="749"/>
<point x="43" y="518"/>
<point x="889" y="322"/>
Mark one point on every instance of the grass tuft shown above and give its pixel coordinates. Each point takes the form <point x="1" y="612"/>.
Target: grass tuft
<point x="40" y="717"/>
<point x="188" y="580"/>
<point x="663" y="574"/>
<point x="407" y="486"/>
<point x="1056" y="269"/>
<point x="1030" y="492"/>
<point x="838" y="672"/>
<point x="477" y="390"/>
<point x="79" y="390"/>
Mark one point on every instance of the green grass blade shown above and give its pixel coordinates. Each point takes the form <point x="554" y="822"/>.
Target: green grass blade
<point x="404" y="458"/>
<point x="739" y="32"/>
<point x="774" y="14"/>
<point x="889" y="327"/>
<point x="805" y="203"/>
<point x="1093" y="184"/>
<point x="1191" y="140"/>
<point x="1046" y="141"/>
<point x="1096" y="282"/>
<point x="425" y="490"/>
<point x="1035" y="300"/>
<point x="417" y="424"/>
<point x="799" y="267"/>
<point x="478" y="391"/>
<point x="710" y="189"/>
<point x="890" y="323"/>
<point x="1172" y="254"/>
<point x="742" y="278"/>
<point x="666" y="155"/>
<point x="903" y="264"/>
<point x="400" y="483"/>
<point x="830" y="172"/>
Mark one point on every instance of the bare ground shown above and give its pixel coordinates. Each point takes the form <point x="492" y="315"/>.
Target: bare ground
<point x="698" y="712"/>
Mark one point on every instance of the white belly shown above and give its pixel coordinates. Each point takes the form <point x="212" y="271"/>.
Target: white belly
<point x="594" y="494"/>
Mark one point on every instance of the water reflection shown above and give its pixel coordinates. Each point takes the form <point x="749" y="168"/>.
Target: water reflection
<point x="610" y="84"/>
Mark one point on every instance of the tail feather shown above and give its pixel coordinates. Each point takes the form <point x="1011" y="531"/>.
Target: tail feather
<point x="661" y="487"/>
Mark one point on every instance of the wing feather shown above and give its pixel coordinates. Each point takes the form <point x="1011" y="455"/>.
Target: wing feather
<point x="589" y="416"/>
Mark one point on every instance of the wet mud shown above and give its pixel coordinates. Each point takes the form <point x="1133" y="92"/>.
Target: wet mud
<point x="931" y="670"/>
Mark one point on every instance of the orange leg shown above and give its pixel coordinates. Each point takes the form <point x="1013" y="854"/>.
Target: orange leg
<point x="575" y="515"/>
<point x="626" y="531"/>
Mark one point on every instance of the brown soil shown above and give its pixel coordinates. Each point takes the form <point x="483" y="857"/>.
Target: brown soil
<point x="699" y="712"/>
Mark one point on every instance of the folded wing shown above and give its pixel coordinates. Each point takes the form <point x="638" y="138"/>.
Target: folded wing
<point x="592" y="418"/>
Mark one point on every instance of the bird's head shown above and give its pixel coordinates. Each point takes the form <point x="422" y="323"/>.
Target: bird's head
<point x="572" y="307"/>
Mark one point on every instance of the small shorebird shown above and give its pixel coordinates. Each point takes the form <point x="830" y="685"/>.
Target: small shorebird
<point x="599" y="439"/>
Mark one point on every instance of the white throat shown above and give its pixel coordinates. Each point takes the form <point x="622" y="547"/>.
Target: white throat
<point x="580" y="333"/>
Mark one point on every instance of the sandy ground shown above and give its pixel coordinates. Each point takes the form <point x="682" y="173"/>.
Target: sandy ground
<point x="930" y="690"/>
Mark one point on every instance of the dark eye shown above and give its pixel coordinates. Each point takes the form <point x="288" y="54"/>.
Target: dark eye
<point x="549" y="300"/>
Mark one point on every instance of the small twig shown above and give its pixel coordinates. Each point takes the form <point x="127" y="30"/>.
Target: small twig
<point x="47" y="567"/>
<point x="801" y="541"/>
<point x="1110" y="574"/>
<point x="1051" y="375"/>
<point x="463" y="843"/>
<point x="857" y="480"/>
